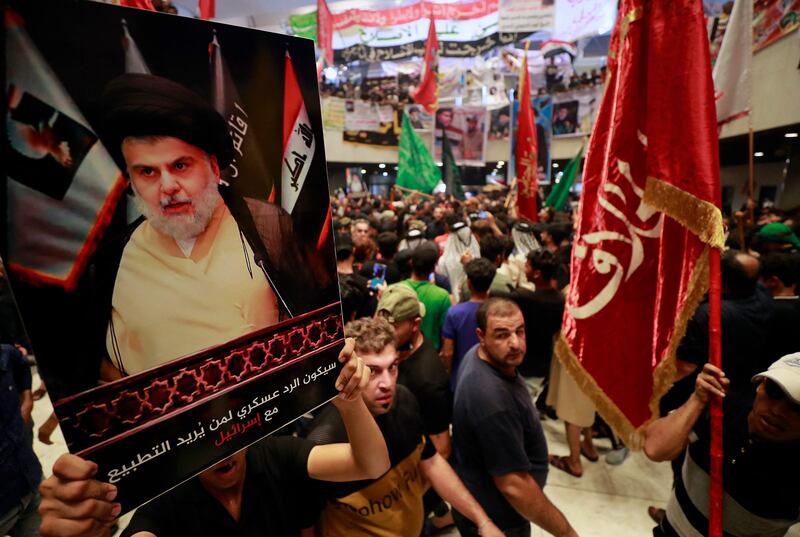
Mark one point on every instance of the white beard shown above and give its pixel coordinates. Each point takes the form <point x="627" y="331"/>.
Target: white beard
<point x="182" y="227"/>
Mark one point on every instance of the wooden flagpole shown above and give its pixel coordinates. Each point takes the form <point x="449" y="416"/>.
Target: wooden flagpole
<point x="412" y="191"/>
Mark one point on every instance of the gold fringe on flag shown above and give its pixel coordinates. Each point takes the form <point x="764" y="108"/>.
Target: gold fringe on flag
<point x="663" y="374"/>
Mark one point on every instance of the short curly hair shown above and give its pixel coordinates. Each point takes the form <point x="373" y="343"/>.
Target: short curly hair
<point x="372" y="335"/>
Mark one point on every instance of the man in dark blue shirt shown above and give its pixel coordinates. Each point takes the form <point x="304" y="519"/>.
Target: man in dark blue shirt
<point x="20" y="472"/>
<point x="499" y="447"/>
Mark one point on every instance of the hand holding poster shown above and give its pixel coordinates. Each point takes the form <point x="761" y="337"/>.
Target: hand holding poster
<point x="213" y="321"/>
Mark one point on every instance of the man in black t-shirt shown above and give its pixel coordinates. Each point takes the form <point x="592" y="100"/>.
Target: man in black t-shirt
<point x="254" y="491"/>
<point x="391" y="505"/>
<point x="499" y="448"/>
<point x="420" y="370"/>
<point x="542" y="310"/>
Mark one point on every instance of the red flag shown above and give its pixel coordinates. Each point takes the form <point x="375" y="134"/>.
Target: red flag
<point x="325" y="31"/>
<point x="207" y="9"/>
<point x="649" y="213"/>
<point x="141" y="4"/>
<point x="526" y="159"/>
<point x="427" y="93"/>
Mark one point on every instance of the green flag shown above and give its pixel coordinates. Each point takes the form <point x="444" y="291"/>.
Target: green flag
<point x="560" y="194"/>
<point x="304" y="25"/>
<point x="450" y="172"/>
<point x="415" y="167"/>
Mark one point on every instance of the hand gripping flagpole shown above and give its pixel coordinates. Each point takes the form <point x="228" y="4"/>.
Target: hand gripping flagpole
<point x="715" y="358"/>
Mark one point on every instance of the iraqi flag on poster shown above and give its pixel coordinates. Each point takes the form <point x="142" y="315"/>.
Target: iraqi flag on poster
<point x="427" y="93"/>
<point x="298" y="147"/>
<point x="526" y="158"/>
<point x="732" y="79"/>
<point x="247" y="173"/>
<point x="649" y="214"/>
<point x="62" y="185"/>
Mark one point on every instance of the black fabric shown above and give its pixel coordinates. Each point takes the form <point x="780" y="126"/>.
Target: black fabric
<point x="745" y="330"/>
<point x="424" y="374"/>
<point x="137" y="104"/>
<point x="20" y="472"/>
<point x="273" y="500"/>
<point x="402" y="430"/>
<point x="495" y="432"/>
<point x="783" y="325"/>
<point x="369" y="304"/>
<point x="542" y="310"/>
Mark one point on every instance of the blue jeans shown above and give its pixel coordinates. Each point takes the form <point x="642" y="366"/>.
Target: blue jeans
<point x="468" y="529"/>
<point x="22" y="520"/>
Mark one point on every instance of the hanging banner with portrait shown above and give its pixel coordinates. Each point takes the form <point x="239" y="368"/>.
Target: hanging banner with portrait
<point x="466" y="128"/>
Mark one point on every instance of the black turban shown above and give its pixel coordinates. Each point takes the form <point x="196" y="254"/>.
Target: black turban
<point x="148" y="105"/>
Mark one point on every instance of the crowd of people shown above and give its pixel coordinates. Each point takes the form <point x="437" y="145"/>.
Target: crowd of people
<point x="452" y="308"/>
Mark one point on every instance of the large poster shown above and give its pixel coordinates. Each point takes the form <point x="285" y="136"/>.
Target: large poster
<point x="466" y="128"/>
<point x="213" y="321"/>
<point x="377" y="124"/>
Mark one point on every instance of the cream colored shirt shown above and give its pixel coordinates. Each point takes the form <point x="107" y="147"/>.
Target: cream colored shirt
<point x="167" y="305"/>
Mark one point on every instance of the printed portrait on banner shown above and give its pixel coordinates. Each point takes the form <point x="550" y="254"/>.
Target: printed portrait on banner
<point x="168" y="235"/>
<point x="466" y="131"/>
<point x="500" y="123"/>
<point x="565" y="118"/>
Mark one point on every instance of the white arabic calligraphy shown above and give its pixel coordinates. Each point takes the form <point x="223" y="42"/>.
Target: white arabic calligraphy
<point x="603" y="261"/>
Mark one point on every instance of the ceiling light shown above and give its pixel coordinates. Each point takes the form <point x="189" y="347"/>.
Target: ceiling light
<point x="381" y="165"/>
<point x="363" y="171"/>
<point x="385" y="174"/>
<point x="500" y="163"/>
<point x="758" y="154"/>
<point x="555" y="165"/>
<point x="790" y="135"/>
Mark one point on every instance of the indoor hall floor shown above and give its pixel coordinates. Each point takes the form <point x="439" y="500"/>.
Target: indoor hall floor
<point x="607" y="501"/>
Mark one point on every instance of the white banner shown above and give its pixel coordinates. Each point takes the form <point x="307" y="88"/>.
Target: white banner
<point x="390" y="36"/>
<point x="361" y="116"/>
<point x="526" y="15"/>
<point x="581" y="18"/>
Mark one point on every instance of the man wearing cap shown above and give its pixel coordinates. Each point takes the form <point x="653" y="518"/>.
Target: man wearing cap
<point x="761" y="470"/>
<point x="777" y="237"/>
<point x="240" y="252"/>
<point x="421" y="370"/>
